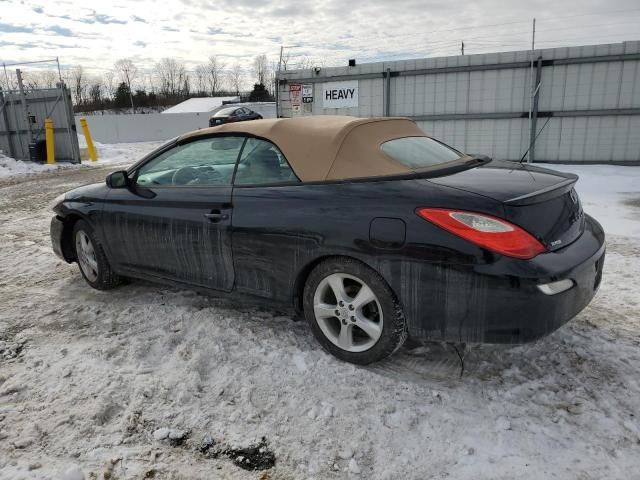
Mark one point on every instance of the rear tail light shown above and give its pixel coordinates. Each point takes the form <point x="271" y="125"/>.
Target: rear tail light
<point x="485" y="231"/>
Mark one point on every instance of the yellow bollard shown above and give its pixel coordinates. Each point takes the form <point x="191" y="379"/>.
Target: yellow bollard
<point x="93" y="154"/>
<point x="49" y="139"/>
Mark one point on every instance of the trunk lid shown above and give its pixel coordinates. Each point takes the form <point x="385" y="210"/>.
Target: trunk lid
<point x="540" y="200"/>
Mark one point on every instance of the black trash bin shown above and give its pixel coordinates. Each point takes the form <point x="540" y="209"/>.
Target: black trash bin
<point x="38" y="151"/>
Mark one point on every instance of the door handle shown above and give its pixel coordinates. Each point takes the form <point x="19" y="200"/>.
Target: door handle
<point x="216" y="216"/>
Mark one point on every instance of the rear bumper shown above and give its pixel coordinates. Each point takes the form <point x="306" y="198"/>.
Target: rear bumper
<point x="500" y="302"/>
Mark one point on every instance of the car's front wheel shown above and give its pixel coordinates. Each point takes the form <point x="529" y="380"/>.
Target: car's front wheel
<point x="91" y="258"/>
<point x="352" y="311"/>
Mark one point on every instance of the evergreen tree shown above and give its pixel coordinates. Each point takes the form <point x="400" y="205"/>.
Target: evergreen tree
<point x="260" y="94"/>
<point x="121" y="98"/>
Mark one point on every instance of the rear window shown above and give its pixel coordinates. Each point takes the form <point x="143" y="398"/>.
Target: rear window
<point x="419" y="152"/>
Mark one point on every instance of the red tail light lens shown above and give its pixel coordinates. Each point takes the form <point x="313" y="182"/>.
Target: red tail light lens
<point x="485" y="231"/>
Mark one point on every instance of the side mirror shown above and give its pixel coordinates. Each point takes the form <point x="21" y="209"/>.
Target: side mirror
<point x="118" y="179"/>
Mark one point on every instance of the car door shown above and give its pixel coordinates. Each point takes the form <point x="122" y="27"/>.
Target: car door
<point x="270" y="233"/>
<point x="174" y="219"/>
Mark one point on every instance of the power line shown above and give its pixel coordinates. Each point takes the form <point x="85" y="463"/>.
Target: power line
<point x="506" y="39"/>
<point x="516" y="22"/>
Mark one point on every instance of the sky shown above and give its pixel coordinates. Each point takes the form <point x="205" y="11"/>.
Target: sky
<point x="323" y="32"/>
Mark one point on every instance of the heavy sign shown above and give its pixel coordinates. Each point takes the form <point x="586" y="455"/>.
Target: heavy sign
<point x="295" y="91"/>
<point x="340" y="94"/>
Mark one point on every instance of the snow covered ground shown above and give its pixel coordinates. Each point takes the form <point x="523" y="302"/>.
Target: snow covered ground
<point x="152" y="382"/>
<point x="108" y="154"/>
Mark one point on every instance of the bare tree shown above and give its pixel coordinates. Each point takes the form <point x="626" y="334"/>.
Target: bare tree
<point x="127" y="71"/>
<point x="214" y="74"/>
<point x="40" y="79"/>
<point x="108" y="83"/>
<point x="273" y="78"/>
<point x="78" y="84"/>
<point x="171" y="73"/>
<point x="186" y="86"/>
<point x="304" y="62"/>
<point x="201" y="75"/>
<point x="10" y="82"/>
<point x="96" y="88"/>
<point x="49" y="78"/>
<point x="31" y="80"/>
<point x="260" y="68"/>
<point x="235" y="78"/>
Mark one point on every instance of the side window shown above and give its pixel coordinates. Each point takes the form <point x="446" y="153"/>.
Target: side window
<point x="263" y="163"/>
<point x="209" y="161"/>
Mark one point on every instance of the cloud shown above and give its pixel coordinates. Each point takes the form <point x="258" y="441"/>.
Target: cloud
<point x="295" y="10"/>
<point x="6" y="28"/>
<point x="215" y="31"/>
<point x="58" y="30"/>
<point x="326" y="31"/>
<point x="19" y="45"/>
<point x="106" y="19"/>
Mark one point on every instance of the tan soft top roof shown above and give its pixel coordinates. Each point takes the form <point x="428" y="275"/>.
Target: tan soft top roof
<point x="328" y="147"/>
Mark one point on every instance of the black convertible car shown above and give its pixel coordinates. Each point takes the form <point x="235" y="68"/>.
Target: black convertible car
<point x="368" y="227"/>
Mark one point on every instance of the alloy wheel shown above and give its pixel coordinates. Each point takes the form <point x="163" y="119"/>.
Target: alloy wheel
<point x="86" y="256"/>
<point x="348" y="312"/>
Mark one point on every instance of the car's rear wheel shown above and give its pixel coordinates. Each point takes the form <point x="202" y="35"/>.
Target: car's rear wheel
<point x="353" y="312"/>
<point x="91" y="258"/>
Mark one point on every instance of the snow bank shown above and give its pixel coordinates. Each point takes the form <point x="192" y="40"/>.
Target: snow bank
<point x="118" y="153"/>
<point x="10" y="167"/>
<point x="108" y="154"/>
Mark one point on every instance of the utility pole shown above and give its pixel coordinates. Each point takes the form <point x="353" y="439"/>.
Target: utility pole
<point x="533" y="46"/>
<point x="282" y="47"/>
<point x="277" y="85"/>
<point x="462" y="48"/>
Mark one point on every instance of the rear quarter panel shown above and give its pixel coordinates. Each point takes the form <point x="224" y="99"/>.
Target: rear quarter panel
<point x="277" y="232"/>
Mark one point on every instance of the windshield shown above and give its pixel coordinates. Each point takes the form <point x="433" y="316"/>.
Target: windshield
<point x="225" y="112"/>
<point x="420" y="152"/>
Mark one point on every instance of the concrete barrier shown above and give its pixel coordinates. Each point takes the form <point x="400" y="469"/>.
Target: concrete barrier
<point x="143" y="127"/>
<point x="128" y="128"/>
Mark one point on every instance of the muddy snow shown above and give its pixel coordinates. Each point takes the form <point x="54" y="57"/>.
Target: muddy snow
<point x="147" y="381"/>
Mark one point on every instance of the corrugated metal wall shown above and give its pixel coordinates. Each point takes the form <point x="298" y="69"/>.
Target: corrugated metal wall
<point x="588" y="109"/>
<point x="54" y="103"/>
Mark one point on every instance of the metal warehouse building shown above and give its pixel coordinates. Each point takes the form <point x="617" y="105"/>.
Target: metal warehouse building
<point x="586" y="106"/>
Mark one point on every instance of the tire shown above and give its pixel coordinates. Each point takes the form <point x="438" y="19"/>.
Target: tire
<point x="98" y="272"/>
<point x="368" y="326"/>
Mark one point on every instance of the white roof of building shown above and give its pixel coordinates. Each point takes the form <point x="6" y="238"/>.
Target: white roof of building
<point x="200" y="105"/>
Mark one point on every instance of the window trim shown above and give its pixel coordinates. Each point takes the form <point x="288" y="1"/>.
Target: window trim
<point x="271" y="184"/>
